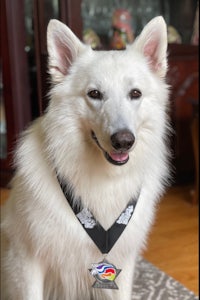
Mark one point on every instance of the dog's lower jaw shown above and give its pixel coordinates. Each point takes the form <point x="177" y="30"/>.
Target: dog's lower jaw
<point x="115" y="158"/>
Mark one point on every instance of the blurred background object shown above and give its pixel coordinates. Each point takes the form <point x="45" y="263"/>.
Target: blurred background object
<point x="195" y="35"/>
<point x="91" y="38"/>
<point x="173" y="35"/>
<point x="122" y="32"/>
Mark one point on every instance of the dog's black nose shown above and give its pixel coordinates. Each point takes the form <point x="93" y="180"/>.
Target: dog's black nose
<point x="122" y="140"/>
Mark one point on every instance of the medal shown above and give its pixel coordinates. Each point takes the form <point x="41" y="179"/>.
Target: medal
<point x="105" y="274"/>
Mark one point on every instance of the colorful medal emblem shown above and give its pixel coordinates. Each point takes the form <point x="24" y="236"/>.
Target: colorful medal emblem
<point x="105" y="275"/>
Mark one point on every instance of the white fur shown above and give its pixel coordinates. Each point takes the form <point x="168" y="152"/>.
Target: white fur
<point x="46" y="253"/>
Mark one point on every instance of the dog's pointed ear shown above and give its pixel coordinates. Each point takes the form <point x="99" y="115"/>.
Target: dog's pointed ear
<point x="63" y="48"/>
<point x="152" y="42"/>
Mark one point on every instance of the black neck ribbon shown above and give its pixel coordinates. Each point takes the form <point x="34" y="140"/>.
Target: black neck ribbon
<point x="104" y="239"/>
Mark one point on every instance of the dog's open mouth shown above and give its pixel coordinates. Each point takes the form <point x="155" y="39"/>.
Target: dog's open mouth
<point x="115" y="158"/>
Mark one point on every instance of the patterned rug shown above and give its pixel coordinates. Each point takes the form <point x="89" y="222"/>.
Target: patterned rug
<point x="152" y="284"/>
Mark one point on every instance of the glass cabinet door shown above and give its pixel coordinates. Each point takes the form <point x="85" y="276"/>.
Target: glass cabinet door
<point x="98" y="16"/>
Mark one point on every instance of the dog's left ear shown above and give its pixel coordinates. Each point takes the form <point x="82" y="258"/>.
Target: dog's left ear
<point x="152" y="42"/>
<point x="63" y="47"/>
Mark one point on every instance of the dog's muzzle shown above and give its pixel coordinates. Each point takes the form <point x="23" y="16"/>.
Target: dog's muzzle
<point x="121" y="141"/>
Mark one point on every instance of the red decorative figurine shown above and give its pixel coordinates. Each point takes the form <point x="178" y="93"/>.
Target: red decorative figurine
<point x="122" y="29"/>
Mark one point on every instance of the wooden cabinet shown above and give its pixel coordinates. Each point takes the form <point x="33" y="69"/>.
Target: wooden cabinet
<point x="23" y="66"/>
<point x="15" y="88"/>
<point x="25" y="83"/>
<point x="183" y="76"/>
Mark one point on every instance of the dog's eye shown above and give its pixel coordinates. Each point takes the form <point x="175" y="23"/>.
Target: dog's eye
<point x="95" y="94"/>
<point x="135" y="94"/>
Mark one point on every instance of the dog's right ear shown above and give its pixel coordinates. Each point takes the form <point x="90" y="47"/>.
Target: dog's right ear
<point x="63" y="48"/>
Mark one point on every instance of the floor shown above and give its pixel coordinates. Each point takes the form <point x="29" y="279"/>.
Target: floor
<point x="173" y="242"/>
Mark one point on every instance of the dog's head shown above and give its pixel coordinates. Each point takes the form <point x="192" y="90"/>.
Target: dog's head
<point x="116" y="97"/>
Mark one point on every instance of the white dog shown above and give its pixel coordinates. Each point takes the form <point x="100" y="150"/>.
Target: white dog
<point x="89" y="172"/>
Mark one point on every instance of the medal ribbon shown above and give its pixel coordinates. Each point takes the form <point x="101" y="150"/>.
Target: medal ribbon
<point x="104" y="239"/>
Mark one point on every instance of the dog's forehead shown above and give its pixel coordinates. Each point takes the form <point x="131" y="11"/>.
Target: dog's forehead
<point x="113" y="58"/>
<point x="110" y="66"/>
<point x="118" y="61"/>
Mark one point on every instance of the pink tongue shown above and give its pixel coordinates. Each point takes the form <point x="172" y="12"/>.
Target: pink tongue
<point x="119" y="156"/>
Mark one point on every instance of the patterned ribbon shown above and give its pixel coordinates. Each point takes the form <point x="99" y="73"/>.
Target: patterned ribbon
<point x="104" y="239"/>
